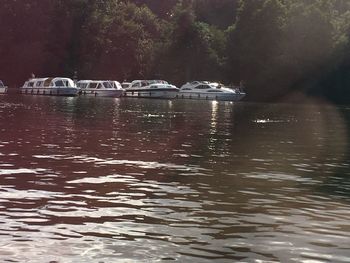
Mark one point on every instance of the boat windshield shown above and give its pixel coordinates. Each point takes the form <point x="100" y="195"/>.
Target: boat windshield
<point x="63" y="82"/>
<point x="202" y="87"/>
<point x="1" y="84"/>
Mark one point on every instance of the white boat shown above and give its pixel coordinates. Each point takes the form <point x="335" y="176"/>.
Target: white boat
<point x="205" y="90"/>
<point x="101" y="88"/>
<point x="3" y="88"/>
<point x="49" y="86"/>
<point x="151" y="89"/>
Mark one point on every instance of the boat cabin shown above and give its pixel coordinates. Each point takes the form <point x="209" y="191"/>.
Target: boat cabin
<point x="145" y="83"/>
<point x="202" y="85"/>
<point x="49" y="83"/>
<point x="98" y="84"/>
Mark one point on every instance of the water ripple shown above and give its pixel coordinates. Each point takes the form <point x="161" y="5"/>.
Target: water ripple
<point x="128" y="180"/>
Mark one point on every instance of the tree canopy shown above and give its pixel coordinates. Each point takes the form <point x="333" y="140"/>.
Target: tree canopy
<point x="274" y="46"/>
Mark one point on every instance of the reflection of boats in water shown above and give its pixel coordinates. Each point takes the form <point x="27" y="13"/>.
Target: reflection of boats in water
<point x="49" y="86"/>
<point x="3" y="88"/>
<point x="205" y="90"/>
<point x="151" y="89"/>
<point x="101" y="88"/>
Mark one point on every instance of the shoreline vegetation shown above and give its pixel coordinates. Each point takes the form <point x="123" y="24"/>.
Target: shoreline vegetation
<point x="278" y="47"/>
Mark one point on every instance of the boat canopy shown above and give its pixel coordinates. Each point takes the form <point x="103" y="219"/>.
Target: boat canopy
<point x="205" y="86"/>
<point x="50" y="82"/>
<point x="98" y="84"/>
<point x="144" y="83"/>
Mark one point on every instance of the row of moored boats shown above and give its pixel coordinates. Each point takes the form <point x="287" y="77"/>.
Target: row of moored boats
<point x="204" y="90"/>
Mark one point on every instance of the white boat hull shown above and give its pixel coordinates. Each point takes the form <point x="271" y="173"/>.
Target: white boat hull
<point x="59" y="91"/>
<point x="161" y="94"/>
<point x="211" y="96"/>
<point x="102" y="93"/>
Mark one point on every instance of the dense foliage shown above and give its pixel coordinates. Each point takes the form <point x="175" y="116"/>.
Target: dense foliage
<point x="275" y="46"/>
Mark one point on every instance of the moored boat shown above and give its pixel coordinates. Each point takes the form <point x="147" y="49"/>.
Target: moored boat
<point x="151" y="89"/>
<point x="205" y="90"/>
<point x="101" y="88"/>
<point x="3" y="88"/>
<point x="49" y="86"/>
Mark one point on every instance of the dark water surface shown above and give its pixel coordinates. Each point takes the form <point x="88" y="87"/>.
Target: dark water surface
<point x="142" y="180"/>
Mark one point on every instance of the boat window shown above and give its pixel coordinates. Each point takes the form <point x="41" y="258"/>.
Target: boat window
<point x="59" y="83"/>
<point x="30" y="84"/>
<point x="217" y="91"/>
<point x="137" y="84"/>
<point x="186" y="89"/>
<point x="108" y="85"/>
<point x="101" y="86"/>
<point x="38" y="84"/>
<point x="111" y="85"/>
<point x="93" y="85"/>
<point x="144" y="83"/>
<point x="82" y="85"/>
<point x="1" y="84"/>
<point x="202" y="87"/>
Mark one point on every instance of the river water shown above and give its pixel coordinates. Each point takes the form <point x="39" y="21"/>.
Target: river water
<point x="142" y="180"/>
